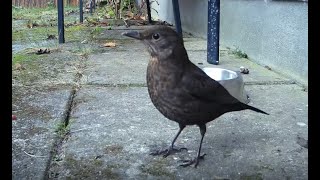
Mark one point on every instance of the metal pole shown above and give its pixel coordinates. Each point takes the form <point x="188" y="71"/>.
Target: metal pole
<point x="177" y="19"/>
<point x="91" y="7"/>
<point x="60" y="21"/>
<point x="94" y="5"/>
<point x="213" y="31"/>
<point x="81" y="10"/>
<point x="149" y="11"/>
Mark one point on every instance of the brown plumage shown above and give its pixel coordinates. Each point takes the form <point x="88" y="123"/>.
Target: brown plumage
<point x="180" y="90"/>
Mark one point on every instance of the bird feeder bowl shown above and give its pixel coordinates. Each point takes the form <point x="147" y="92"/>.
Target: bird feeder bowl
<point x="230" y="80"/>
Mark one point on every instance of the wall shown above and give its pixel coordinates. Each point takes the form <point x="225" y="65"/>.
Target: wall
<point x="273" y="33"/>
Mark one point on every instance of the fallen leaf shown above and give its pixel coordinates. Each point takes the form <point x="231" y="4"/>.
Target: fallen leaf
<point x="18" y="66"/>
<point x="104" y="23"/>
<point x="137" y="17"/>
<point x="14" y="117"/>
<point x="110" y="44"/>
<point x="129" y="15"/>
<point x="143" y="17"/>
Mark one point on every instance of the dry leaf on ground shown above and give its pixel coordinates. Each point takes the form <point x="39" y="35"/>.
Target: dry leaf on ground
<point x="19" y="67"/>
<point x="110" y="44"/>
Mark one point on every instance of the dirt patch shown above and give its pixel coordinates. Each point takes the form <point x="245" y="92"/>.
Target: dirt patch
<point x="113" y="149"/>
<point x="157" y="168"/>
<point x="85" y="169"/>
<point x="54" y="68"/>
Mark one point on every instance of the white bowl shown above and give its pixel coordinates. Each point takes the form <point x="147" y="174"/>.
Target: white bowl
<point x="230" y="80"/>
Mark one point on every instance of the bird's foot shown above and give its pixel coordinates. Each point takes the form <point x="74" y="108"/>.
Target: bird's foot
<point x="194" y="161"/>
<point x="167" y="152"/>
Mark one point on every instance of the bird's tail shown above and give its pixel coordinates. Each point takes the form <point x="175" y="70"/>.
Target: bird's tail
<point x="241" y="106"/>
<point x="254" y="109"/>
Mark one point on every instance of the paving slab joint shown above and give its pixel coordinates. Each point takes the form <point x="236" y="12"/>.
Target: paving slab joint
<point x="271" y="83"/>
<point x="62" y="136"/>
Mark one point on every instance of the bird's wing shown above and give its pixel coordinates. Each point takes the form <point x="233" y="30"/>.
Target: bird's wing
<point x="199" y="85"/>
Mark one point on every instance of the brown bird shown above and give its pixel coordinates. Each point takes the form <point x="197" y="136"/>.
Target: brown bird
<point x="180" y="90"/>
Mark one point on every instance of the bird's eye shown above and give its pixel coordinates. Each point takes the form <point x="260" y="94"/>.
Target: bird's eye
<point x="155" y="36"/>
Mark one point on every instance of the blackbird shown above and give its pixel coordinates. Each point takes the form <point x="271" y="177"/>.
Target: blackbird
<point x="180" y="90"/>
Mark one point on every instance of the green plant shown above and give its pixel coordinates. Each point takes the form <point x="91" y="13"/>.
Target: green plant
<point x="62" y="129"/>
<point x="237" y="52"/>
<point x="50" y="4"/>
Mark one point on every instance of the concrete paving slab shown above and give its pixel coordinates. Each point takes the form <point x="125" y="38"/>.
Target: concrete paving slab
<point x="113" y="130"/>
<point x="257" y="73"/>
<point x="39" y="111"/>
<point x="196" y="48"/>
<point x="117" y="68"/>
<point x="130" y="67"/>
<point x="195" y="44"/>
<point x="47" y="69"/>
<point x="122" y="45"/>
<point x="136" y="45"/>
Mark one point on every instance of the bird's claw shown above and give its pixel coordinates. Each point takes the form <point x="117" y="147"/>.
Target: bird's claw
<point x="194" y="161"/>
<point x="167" y="152"/>
<point x="173" y="150"/>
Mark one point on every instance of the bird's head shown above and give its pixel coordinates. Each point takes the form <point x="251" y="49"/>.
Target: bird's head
<point x="161" y="41"/>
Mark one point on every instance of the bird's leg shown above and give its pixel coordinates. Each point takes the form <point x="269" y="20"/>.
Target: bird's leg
<point x="196" y="160"/>
<point x="171" y="149"/>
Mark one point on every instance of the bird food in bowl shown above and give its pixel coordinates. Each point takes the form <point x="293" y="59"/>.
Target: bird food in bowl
<point x="230" y="80"/>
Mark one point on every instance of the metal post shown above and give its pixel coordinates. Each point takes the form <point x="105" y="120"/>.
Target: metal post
<point x="60" y="21"/>
<point x="94" y="5"/>
<point x="81" y="10"/>
<point x="213" y="31"/>
<point x="177" y="19"/>
<point x="149" y="11"/>
<point x="91" y="7"/>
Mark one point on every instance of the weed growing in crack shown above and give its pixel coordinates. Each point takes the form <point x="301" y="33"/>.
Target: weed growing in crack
<point x="62" y="129"/>
<point x="237" y="52"/>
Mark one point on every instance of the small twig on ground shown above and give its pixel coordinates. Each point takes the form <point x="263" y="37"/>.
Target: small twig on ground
<point x="125" y="22"/>
<point x="31" y="155"/>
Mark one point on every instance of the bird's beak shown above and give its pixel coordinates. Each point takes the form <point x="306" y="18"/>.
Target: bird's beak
<point x="132" y="34"/>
